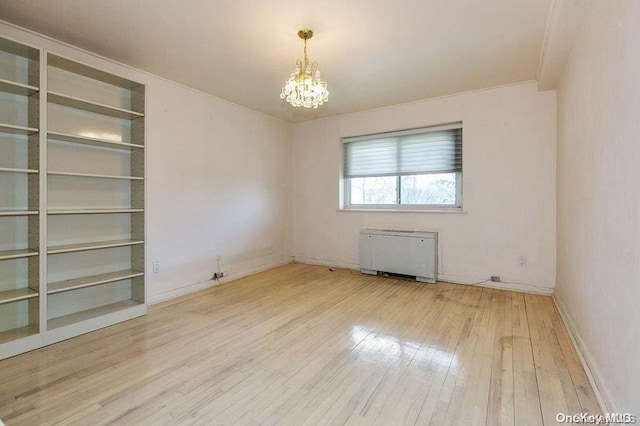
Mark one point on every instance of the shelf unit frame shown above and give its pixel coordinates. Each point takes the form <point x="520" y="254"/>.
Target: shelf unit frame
<point x="62" y="327"/>
<point x="16" y="88"/>
<point x="43" y="330"/>
<point x="85" y="140"/>
<point x="30" y="336"/>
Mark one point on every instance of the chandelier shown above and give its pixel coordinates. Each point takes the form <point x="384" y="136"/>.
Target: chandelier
<point x="304" y="88"/>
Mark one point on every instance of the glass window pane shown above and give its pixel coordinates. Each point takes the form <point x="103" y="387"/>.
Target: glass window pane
<point x="431" y="189"/>
<point x="374" y="190"/>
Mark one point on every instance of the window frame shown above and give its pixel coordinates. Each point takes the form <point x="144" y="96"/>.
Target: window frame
<point x="398" y="206"/>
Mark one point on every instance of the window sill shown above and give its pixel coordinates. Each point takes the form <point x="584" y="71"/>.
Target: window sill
<point x="445" y="210"/>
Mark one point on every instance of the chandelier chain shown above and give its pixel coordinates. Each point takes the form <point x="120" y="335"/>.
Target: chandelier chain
<point x="306" y="58"/>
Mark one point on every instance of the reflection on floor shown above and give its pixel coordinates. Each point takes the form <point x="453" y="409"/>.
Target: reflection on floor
<point x="302" y="344"/>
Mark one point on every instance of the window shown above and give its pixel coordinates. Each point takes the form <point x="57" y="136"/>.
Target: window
<point x="419" y="169"/>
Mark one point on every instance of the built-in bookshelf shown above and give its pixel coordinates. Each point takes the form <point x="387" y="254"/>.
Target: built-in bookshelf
<point x="95" y="194"/>
<point x="72" y="210"/>
<point x="20" y="287"/>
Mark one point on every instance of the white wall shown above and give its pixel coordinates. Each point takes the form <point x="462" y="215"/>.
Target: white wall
<point x="509" y="186"/>
<point x="219" y="184"/>
<point x="599" y="198"/>
<point x="218" y="180"/>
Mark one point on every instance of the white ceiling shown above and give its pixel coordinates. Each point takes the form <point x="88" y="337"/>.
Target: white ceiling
<point x="372" y="52"/>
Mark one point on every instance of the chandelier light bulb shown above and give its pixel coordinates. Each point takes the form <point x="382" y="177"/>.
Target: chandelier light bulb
<point x="304" y="88"/>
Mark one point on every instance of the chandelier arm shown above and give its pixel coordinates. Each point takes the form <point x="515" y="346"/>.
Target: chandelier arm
<point x="304" y="88"/>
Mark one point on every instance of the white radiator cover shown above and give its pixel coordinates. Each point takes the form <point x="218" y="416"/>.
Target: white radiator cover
<point x="412" y="253"/>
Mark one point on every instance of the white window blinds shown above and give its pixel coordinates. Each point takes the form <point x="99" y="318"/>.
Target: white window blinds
<point x="411" y="152"/>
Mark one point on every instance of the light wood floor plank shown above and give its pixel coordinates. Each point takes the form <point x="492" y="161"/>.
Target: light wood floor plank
<point x="302" y="344"/>
<point x="526" y="399"/>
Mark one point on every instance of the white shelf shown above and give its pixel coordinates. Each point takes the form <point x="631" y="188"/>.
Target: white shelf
<point x="10" y="170"/>
<point x="17" y="254"/>
<point x="18" y="212"/>
<point x="18" y="333"/>
<point x="93" y="211"/>
<point x="90" y="72"/>
<point x="90" y="313"/>
<point x="92" y="175"/>
<point x="16" y="88"/>
<point x="21" y="106"/>
<point x="98" y="108"/>
<point x="104" y="143"/>
<point x="19" y="49"/>
<point x="10" y="296"/>
<point x="100" y="121"/>
<point x="17" y="130"/>
<point x="71" y="248"/>
<point x="76" y="283"/>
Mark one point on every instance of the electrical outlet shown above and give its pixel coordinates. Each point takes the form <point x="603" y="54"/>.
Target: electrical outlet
<point x="156" y="266"/>
<point x="495" y="278"/>
<point x="522" y="261"/>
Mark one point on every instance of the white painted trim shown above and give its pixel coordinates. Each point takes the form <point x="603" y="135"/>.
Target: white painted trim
<point x="192" y="288"/>
<point x="93" y="324"/>
<point x="82" y="51"/>
<point x="552" y="19"/>
<point x="182" y="291"/>
<point x="519" y="287"/>
<point x="453" y="210"/>
<point x="564" y="22"/>
<point x="596" y="379"/>
<point x="503" y="285"/>
<point x="419" y="101"/>
<point x="21" y="345"/>
<point x="325" y="262"/>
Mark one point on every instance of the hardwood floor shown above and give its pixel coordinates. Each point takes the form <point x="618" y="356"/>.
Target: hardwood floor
<point x="301" y="344"/>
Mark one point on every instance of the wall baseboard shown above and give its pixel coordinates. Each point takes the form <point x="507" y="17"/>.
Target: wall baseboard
<point x="324" y="262"/>
<point x="504" y="285"/>
<point x="522" y="288"/>
<point x="593" y="373"/>
<point x="596" y="379"/>
<point x="192" y="288"/>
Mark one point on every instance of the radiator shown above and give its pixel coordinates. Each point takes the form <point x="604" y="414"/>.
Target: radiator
<point x="413" y="253"/>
